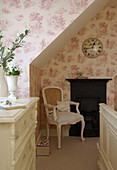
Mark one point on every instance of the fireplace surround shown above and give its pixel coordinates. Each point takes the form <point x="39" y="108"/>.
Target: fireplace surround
<point x="89" y="93"/>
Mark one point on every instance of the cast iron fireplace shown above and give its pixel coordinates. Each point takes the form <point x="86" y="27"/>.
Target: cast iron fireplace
<point x="89" y="93"/>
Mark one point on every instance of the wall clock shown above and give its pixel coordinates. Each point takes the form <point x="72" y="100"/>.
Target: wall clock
<point x="92" y="47"/>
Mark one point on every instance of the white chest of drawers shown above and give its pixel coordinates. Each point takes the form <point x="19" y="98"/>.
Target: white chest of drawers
<point x="108" y="138"/>
<point x="17" y="136"/>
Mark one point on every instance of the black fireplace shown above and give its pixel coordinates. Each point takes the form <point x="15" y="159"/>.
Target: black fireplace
<point x="89" y="93"/>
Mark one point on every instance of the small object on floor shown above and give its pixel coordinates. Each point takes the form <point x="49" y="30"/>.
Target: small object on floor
<point x="43" y="148"/>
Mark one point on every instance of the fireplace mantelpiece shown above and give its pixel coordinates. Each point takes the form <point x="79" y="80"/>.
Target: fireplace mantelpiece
<point x="89" y="93"/>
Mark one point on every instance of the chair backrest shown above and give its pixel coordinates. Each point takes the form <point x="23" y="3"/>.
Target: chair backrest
<point x="52" y="94"/>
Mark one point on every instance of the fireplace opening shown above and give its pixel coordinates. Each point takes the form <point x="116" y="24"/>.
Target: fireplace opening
<point x="89" y="108"/>
<point x="89" y="93"/>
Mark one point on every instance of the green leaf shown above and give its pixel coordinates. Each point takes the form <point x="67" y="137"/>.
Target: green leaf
<point x="2" y="50"/>
<point x="1" y="36"/>
<point x="21" y="36"/>
<point x="9" y="60"/>
<point x="14" y="44"/>
<point x="8" y="54"/>
<point x="23" y="42"/>
<point x="17" y="39"/>
<point x="11" y="55"/>
<point x="27" y="31"/>
<point x="13" y="48"/>
<point x="0" y="43"/>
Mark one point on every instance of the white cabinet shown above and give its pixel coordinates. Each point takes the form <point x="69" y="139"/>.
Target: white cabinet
<point x="108" y="138"/>
<point x="17" y="136"/>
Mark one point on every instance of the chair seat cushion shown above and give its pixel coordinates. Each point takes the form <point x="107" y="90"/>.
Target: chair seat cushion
<point x="65" y="118"/>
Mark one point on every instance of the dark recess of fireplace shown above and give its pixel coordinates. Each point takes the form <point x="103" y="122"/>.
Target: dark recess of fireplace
<point x="89" y="93"/>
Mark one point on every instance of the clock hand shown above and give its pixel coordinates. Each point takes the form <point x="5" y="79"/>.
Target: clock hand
<point x="92" y="45"/>
<point x="88" y="48"/>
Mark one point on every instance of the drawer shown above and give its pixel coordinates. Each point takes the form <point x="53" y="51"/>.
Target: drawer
<point x="26" y="155"/>
<point x="32" y="165"/>
<point x="24" y="123"/>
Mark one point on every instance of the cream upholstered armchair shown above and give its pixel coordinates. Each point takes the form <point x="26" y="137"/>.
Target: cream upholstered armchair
<point x="58" y="111"/>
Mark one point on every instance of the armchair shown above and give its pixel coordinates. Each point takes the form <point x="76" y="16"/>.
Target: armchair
<point x="58" y="111"/>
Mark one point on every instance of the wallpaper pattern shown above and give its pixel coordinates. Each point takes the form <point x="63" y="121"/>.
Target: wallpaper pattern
<point x="70" y="60"/>
<point x="45" y="18"/>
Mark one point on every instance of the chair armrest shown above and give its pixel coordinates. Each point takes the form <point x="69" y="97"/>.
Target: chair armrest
<point x="77" y="104"/>
<point x="49" y="106"/>
<point x="53" y="111"/>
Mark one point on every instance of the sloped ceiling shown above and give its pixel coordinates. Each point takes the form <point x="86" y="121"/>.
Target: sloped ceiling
<point x="69" y="32"/>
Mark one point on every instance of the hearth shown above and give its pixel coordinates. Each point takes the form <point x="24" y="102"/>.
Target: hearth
<point x="89" y="93"/>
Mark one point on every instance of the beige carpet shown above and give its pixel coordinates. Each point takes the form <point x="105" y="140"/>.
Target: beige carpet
<point x="74" y="155"/>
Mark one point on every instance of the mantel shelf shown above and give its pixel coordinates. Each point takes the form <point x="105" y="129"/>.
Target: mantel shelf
<point x="89" y="79"/>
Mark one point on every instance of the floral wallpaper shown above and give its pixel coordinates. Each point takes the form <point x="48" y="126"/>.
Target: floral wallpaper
<point x="45" y="18"/>
<point x="70" y="60"/>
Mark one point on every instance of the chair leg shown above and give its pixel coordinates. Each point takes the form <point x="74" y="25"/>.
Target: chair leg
<point x="82" y="129"/>
<point x="62" y="131"/>
<point x="47" y="130"/>
<point x="59" y="135"/>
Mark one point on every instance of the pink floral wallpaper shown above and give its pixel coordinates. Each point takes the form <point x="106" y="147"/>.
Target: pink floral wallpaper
<point x="70" y="60"/>
<point x="45" y="18"/>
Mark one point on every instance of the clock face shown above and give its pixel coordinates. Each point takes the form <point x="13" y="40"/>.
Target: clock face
<point x="92" y="47"/>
